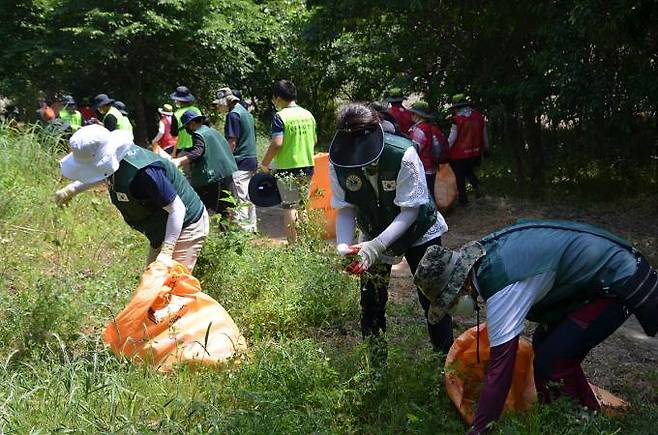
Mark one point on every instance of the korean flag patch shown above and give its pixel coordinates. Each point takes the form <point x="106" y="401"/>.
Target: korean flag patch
<point x="389" y="185"/>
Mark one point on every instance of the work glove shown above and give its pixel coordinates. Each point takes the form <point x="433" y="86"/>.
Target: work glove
<point x="64" y="195"/>
<point x="369" y="253"/>
<point x="166" y="255"/>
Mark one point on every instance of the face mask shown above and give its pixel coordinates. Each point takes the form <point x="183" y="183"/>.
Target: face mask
<point x="465" y="306"/>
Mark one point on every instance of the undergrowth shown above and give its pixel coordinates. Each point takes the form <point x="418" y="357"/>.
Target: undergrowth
<point x="66" y="272"/>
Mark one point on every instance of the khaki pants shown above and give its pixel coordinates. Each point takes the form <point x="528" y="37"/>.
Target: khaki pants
<point x="189" y="243"/>
<point x="245" y="213"/>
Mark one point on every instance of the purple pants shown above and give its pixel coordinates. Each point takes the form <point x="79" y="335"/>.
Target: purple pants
<point x="561" y="348"/>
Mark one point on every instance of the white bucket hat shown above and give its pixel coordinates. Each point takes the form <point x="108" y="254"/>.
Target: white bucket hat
<point x="95" y="153"/>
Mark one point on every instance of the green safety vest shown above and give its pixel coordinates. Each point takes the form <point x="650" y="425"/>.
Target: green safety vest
<point x="374" y="214"/>
<point x="144" y="216"/>
<point x="245" y="146"/>
<point x="299" y="138"/>
<point x="585" y="259"/>
<point x="123" y="123"/>
<point x="73" y="118"/>
<point x="215" y="163"/>
<point x="184" y="140"/>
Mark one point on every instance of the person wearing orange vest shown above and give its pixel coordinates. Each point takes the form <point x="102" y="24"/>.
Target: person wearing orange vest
<point x="291" y="152"/>
<point x="467" y="139"/>
<point x="401" y="114"/>
<point x="164" y="139"/>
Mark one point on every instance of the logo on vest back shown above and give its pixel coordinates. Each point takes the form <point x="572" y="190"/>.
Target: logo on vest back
<point x="389" y="185"/>
<point x="353" y="183"/>
<point x="122" y="197"/>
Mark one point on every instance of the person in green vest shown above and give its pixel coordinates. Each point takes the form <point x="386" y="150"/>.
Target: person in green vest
<point x="240" y="133"/>
<point x="579" y="282"/>
<point x="291" y="152"/>
<point x="184" y="101"/>
<point x="209" y="163"/>
<point x="152" y="195"/>
<point x="378" y="185"/>
<point x="111" y="118"/>
<point x="69" y="113"/>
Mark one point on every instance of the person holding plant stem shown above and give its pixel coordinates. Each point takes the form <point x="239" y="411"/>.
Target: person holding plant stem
<point x="579" y="282"/>
<point x="209" y="164"/>
<point x="152" y="195"/>
<point x="378" y="185"/>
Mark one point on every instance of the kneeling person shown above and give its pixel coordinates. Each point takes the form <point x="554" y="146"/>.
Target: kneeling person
<point x="579" y="282"/>
<point x="378" y="183"/>
<point x="152" y="195"/>
<point x="209" y="163"/>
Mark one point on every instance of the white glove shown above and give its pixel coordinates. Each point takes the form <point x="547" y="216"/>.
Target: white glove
<point x="64" y="195"/>
<point x="343" y="249"/>
<point x="165" y="255"/>
<point x="370" y="252"/>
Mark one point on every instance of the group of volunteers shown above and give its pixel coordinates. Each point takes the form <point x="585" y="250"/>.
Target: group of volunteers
<point x="463" y="149"/>
<point x="580" y="283"/>
<point x="169" y="192"/>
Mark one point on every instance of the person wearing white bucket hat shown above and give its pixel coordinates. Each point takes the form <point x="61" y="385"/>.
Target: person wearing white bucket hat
<point x="153" y="197"/>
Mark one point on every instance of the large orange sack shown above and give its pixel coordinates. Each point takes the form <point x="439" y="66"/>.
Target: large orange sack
<point x="170" y="321"/>
<point x="320" y="193"/>
<point x="445" y="187"/>
<point x="464" y="377"/>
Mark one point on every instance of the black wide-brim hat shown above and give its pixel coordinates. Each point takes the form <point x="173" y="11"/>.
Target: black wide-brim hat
<point x="183" y="94"/>
<point x="102" y="100"/>
<point x="263" y="191"/>
<point x="356" y="148"/>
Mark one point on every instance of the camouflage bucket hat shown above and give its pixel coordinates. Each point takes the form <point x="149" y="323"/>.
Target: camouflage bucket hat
<point x="441" y="275"/>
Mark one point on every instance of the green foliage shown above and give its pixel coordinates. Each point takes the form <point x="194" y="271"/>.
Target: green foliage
<point x="66" y="272"/>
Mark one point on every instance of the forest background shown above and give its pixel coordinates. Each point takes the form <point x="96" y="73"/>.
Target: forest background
<point x="569" y="86"/>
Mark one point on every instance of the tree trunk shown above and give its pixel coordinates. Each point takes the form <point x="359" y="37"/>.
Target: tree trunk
<point x="512" y="132"/>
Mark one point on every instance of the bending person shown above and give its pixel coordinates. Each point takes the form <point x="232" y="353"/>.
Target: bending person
<point x="579" y="282"/>
<point x="153" y="197"/>
<point x="378" y="184"/>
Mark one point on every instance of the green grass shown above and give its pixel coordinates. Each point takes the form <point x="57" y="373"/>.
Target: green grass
<point x="65" y="272"/>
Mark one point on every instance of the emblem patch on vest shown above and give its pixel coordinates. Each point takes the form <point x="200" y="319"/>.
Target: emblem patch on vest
<point x="353" y="183"/>
<point x="389" y="185"/>
<point x="122" y="197"/>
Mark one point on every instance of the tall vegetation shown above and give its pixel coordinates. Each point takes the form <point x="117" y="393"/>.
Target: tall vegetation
<point x="568" y="85"/>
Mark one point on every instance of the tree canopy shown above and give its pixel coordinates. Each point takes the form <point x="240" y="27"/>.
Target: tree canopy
<point x="557" y="79"/>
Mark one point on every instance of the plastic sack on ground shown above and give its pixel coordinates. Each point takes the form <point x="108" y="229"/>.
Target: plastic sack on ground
<point x="320" y="193"/>
<point x="445" y="187"/>
<point x="464" y="377"/>
<point x="170" y="321"/>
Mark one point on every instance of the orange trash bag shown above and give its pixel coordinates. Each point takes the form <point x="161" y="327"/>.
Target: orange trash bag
<point x="170" y="321"/>
<point x="445" y="187"/>
<point x="320" y="193"/>
<point x="464" y="377"/>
